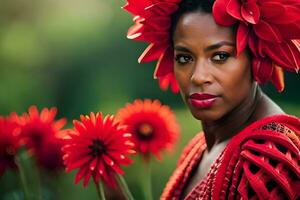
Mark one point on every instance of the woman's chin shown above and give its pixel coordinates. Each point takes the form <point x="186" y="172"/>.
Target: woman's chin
<point x="206" y="115"/>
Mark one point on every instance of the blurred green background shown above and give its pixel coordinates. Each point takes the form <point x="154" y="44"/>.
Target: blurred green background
<point x="73" y="54"/>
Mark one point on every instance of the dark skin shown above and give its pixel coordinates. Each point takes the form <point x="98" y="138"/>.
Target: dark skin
<point x="206" y="62"/>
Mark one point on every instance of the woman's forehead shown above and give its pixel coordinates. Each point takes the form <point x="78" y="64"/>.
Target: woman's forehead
<point x="200" y="27"/>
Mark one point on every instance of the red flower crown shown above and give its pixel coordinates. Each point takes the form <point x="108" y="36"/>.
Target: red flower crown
<point x="270" y="28"/>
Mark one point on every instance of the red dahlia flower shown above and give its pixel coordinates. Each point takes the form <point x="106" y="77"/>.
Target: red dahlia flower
<point x="270" y="28"/>
<point x="9" y="143"/>
<point x="153" y="126"/>
<point x="97" y="147"/>
<point x="40" y="134"/>
<point x="152" y="24"/>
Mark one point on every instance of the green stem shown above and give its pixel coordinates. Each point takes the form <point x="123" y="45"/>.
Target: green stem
<point x="39" y="185"/>
<point x="15" y="196"/>
<point x="22" y="178"/>
<point x="124" y="187"/>
<point x="148" y="182"/>
<point x="100" y="191"/>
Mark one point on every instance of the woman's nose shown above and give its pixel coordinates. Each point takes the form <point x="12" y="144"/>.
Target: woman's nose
<point x="201" y="74"/>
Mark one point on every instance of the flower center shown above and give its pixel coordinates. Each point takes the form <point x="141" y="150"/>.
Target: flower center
<point x="145" y="131"/>
<point x="97" y="148"/>
<point x="36" y="137"/>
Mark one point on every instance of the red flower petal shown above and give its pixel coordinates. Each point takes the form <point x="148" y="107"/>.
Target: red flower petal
<point x="287" y="55"/>
<point x="260" y="48"/>
<point x="137" y="7"/>
<point x="278" y="78"/>
<point x="93" y="164"/>
<point x="278" y="13"/>
<point x="167" y="81"/>
<point x="220" y="14"/>
<point x="271" y="10"/>
<point x="252" y="42"/>
<point x="162" y="8"/>
<point x="290" y="31"/>
<point x="33" y="112"/>
<point x="174" y="85"/>
<point x="297" y="44"/>
<point x="59" y="124"/>
<point x="119" y="158"/>
<point x="233" y="8"/>
<point x="267" y="32"/>
<point x="47" y="115"/>
<point x="118" y="169"/>
<point x="81" y="173"/>
<point x="152" y="52"/>
<point x="158" y="24"/>
<point x="242" y="38"/>
<point x="165" y="63"/>
<point x="250" y="12"/>
<point x="78" y="163"/>
<point x="79" y="126"/>
<point x="87" y="178"/>
<point x="152" y="37"/>
<point x="137" y="28"/>
<point x="262" y="69"/>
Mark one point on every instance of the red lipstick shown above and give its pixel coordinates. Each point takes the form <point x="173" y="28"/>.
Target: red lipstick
<point x="202" y="100"/>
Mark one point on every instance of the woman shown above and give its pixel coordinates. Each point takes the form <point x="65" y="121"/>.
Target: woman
<point x="217" y="52"/>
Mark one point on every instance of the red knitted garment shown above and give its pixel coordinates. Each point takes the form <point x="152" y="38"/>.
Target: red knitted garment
<point x="261" y="162"/>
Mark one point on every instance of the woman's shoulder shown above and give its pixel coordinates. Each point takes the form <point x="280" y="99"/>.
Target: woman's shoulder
<point x="262" y="161"/>
<point x="287" y="125"/>
<point x="279" y="123"/>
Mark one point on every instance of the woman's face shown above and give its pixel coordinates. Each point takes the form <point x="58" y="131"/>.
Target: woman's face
<point x="212" y="79"/>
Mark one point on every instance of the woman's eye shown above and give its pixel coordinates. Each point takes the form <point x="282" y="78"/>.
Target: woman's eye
<point x="183" y="59"/>
<point x="220" y="57"/>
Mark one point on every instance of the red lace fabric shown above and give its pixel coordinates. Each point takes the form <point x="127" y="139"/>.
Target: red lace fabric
<point x="261" y="162"/>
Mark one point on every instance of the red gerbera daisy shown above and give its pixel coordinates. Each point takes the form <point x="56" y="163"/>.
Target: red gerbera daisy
<point x="9" y="143"/>
<point x="97" y="147"/>
<point x="152" y="124"/>
<point x="40" y="134"/>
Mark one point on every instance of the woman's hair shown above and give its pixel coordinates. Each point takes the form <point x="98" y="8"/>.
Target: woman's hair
<point x="187" y="6"/>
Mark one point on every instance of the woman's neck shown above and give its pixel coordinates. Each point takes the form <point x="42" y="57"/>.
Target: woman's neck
<point x="225" y="128"/>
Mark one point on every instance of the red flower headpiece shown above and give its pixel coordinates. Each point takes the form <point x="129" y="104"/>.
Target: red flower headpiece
<point x="265" y="26"/>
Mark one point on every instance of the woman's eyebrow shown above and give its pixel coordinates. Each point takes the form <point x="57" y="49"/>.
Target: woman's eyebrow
<point x="181" y="48"/>
<point x="218" y="45"/>
<point x="209" y="48"/>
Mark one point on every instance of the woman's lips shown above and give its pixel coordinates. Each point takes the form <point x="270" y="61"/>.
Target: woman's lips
<point x="202" y="100"/>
